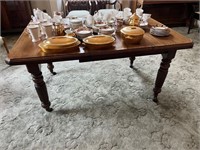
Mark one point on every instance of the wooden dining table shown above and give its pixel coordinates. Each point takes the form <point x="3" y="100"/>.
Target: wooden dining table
<point x="25" y="52"/>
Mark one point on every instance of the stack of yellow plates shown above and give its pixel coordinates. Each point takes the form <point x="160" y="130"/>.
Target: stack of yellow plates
<point x="99" y="41"/>
<point x="59" y="44"/>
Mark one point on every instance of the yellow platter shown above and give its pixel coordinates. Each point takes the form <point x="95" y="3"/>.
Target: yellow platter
<point x="67" y="49"/>
<point x="99" y="41"/>
<point x="60" y="41"/>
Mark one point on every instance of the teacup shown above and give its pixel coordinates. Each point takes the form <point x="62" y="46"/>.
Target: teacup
<point x="34" y="32"/>
<point x="146" y="17"/>
<point x="48" y="29"/>
<point x="70" y="33"/>
<point x="139" y="12"/>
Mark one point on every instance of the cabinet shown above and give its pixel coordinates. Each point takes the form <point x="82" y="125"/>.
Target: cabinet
<point x="15" y="15"/>
<point x="171" y="13"/>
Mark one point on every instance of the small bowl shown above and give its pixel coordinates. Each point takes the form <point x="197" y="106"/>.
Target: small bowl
<point x="107" y="31"/>
<point x="83" y="33"/>
<point x="98" y="26"/>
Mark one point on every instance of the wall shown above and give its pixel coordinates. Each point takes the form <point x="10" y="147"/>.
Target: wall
<point x="53" y="4"/>
<point x="42" y="4"/>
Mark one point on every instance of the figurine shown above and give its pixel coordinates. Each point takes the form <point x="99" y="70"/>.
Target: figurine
<point x="134" y="20"/>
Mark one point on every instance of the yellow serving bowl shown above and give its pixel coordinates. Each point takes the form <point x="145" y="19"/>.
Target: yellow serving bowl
<point x="132" y="34"/>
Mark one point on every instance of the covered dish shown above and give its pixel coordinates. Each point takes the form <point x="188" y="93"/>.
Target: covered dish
<point x="59" y="44"/>
<point x="132" y="34"/>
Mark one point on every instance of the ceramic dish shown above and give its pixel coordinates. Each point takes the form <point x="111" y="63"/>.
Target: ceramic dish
<point x="75" y="23"/>
<point x="160" y="31"/>
<point x="70" y="33"/>
<point x="72" y="48"/>
<point x="83" y="33"/>
<point x="132" y="34"/>
<point x="60" y="41"/>
<point x="107" y="31"/>
<point x="143" y="24"/>
<point x="98" y="41"/>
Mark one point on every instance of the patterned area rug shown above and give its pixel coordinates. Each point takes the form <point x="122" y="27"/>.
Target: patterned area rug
<point x="103" y="105"/>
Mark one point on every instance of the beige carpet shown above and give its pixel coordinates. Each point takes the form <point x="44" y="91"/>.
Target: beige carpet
<point x="103" y="105"/>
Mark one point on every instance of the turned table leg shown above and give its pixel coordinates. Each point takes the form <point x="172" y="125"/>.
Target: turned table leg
<point x="40" y="85"/>
<point x="50" y="66"/>
<point x="131" y="61"/>
<point x="162" y="73"/>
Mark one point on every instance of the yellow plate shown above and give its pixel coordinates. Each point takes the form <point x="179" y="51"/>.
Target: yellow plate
<point x="67" y="49"/>
<point x="99" y="40"/>
<point x="60" y="41"/>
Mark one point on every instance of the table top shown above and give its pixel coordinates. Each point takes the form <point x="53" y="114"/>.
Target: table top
<point x="25" y="51"/>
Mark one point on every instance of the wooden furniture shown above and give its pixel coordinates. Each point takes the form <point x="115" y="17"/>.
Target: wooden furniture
<point x="24" y="52"/>
<point x="170" y="13"/>
<point x="139" y="3"/>
<point x="77" y="5"/>
<point x="194" y="15"/>
<point x="90" y="5"/>
<point x="15" y="15"/>
<point x="103" y="4"/>
<point x="3" y="42"/>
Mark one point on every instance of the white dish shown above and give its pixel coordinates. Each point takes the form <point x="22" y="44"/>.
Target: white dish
<point x="107" y="31"/>
<point x="143" y="24"/>
<point x="83" y="33"/>
<point x="99" y="25"/>
<point x="78" y="13"/>
<point x="160" y="31"/>
<point x="108" y="11"/>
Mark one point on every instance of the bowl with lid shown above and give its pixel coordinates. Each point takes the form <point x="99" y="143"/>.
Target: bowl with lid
<point x="132" y="34"/>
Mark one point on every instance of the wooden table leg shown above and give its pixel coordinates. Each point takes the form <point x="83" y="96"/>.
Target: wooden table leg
<point x="50" y="66"/>
<point x="162" y="73"/>
<point x="40" y="85"/>
<point x="131" y="61"/>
